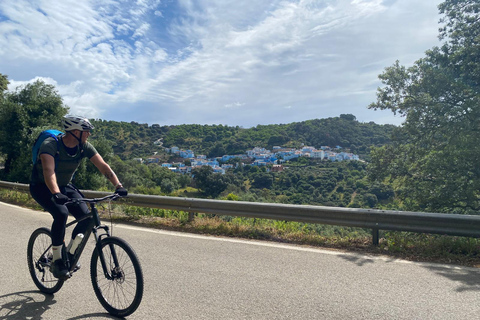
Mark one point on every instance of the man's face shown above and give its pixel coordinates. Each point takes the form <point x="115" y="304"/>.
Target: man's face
<point x="85" y="135"/>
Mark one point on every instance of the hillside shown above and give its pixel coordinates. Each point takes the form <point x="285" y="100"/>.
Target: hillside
<point x="136" y="140"/>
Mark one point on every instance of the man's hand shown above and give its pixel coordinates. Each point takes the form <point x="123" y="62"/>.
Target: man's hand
<point x="121" y="191"/>
<point x="60" y="198"/>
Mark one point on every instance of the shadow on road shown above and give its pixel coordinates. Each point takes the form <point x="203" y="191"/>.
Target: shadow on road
<point x="32" y="305"/>
<point x="358" y="260"/>
<point x="467" y="278"/>
<point x="95" y="315"/>
<point x="24" y="305"/>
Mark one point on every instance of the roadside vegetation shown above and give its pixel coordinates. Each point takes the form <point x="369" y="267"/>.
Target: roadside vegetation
<point x="402" y="245"/>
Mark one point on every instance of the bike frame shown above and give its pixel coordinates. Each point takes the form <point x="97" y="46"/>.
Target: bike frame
<point x="115" y="270"/>
<point x="93" y="227"/>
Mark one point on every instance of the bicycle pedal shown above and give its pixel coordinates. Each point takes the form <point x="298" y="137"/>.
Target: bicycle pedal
<point x="66" y="277"/>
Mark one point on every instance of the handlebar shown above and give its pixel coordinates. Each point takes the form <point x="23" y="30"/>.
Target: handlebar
<point x="113" y="196"/>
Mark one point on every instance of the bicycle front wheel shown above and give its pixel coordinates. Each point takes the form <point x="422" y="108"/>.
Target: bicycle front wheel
<point x="39" y="258"/>
<point x="119" y="287"/>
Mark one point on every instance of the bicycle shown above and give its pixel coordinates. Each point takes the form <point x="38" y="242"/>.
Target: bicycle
<point x="115" y="270"/>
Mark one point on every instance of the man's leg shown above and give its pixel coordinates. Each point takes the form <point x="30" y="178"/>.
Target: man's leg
<point x="43" y="196"/>
<point x="79" y="211"/>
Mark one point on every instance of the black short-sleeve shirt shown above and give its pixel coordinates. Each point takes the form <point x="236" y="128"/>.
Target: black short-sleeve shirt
<point x="65" y="164"/>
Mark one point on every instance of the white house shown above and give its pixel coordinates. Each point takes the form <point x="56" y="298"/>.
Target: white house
<point x="318" y="154"/>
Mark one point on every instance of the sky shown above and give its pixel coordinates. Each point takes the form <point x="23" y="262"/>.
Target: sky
<point x="230" y="62"/>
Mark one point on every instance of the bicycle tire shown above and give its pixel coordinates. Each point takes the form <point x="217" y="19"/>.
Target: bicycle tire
<point x="39" y="263"/>
<point x="127" y="277"/>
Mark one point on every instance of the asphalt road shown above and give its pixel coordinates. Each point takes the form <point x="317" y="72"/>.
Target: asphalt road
<point x="195" y="277"/>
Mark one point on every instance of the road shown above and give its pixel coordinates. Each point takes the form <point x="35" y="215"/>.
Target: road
<point x="203" y="277"/>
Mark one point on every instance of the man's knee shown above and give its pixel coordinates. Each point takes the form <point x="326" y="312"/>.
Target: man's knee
<point x="60" y="214"/>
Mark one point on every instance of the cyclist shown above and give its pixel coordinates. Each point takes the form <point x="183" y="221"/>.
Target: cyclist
<point x="51" y="184"/>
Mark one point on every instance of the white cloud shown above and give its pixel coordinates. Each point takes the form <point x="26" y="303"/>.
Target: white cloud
<point x="17" y="85"/>
<point x="117" y="60"/>
<point x="234" y="105"/>
<point x="160" y="55"/>
<point x="141" y="31"/>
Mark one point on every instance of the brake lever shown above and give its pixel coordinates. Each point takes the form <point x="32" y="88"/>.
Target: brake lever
<point x="72" y="201"/>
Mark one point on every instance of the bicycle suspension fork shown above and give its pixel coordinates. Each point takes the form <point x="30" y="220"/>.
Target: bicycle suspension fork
<point x="98" y="246"/>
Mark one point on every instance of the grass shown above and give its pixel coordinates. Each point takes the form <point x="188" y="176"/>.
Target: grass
<point x="405" y="245"/>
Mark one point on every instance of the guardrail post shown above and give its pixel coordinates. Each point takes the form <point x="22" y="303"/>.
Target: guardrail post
<point x="375" y="236"/>
<point x="191" y="216"/>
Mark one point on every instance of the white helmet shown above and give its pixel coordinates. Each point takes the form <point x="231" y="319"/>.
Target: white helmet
<point x="72" y="122"/>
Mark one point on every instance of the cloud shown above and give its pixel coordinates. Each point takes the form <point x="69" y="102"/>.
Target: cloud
<point x="234" y="105"/>
<point x="141" y="31"/>
<point x="118" y="60"/>
<point x="17" y="85"/>
<point x="160" y="55"/>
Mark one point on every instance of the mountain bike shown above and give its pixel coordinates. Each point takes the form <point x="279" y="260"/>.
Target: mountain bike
<point x="115" y="270"/>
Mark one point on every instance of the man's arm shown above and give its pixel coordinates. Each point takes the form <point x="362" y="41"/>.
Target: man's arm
<point x="48" y="166"/>
<point x="105" y="169"/>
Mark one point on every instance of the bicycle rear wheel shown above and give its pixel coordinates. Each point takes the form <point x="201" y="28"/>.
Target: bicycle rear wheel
<point x="120" y="288"/>
<point x="39" y="258"/>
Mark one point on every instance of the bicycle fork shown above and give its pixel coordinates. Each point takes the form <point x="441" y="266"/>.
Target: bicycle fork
<point x="109" y="274"/>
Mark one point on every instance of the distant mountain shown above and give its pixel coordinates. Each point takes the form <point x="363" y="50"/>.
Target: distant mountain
<point x="137" y="140"/>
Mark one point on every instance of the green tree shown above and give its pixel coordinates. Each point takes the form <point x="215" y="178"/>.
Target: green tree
<point x="349" y="117"/>
<point x="216" y="184"/>
<point x="22" y="113"/>
<point x="3" y="84"/>
<point x="201" y="176"/>
<point x="168" y="186"/>
<point x="217" y="151"/>
<point x="87" y="175"/>
<point x="434" y="157"/>
<point x="371" y="199"/>
<point x="183" y="180"/>
<point x="212" y="184"/>
<point x="262" y="180"/>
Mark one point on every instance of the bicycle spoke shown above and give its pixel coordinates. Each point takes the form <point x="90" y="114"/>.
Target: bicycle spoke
<point x="39" y="257"/>
<point x="121" y="292"/>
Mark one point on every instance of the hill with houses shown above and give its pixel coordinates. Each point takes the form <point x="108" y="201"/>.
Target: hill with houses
<point x="256" y="157"/>
<point x="134" y="140"/>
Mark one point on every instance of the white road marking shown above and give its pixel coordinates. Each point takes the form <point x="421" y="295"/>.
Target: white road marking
<point x="270" y="244"/>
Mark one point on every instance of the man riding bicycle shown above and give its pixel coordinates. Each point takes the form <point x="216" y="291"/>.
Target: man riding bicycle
<point x="51" y="184"/>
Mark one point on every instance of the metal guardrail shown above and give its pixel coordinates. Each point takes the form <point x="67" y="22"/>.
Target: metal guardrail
<point x="437" y="223"/>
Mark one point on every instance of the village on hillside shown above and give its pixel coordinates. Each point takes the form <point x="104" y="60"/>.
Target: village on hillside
<point x="274" y="158"/>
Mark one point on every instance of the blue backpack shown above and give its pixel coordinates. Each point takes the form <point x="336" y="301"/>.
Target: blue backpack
<point x="41" y="137"/>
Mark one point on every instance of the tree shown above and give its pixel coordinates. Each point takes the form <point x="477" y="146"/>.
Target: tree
<point x="22" y="114"/>
<point x="349" y="117"/>
<point x="168" y="186"/>
<point x="216" y="184"/>
<point x="263" y="180"/>
<point x="381" y="191"/>
<point x="87" y="176"/>
<point x="371" y="199"/>
<point x="201" y="175"/>
<point x="434" y="157"/>
<point x="217" y="151"/>
<point x="212" y="184"/>
<point x="3" y="84"/>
